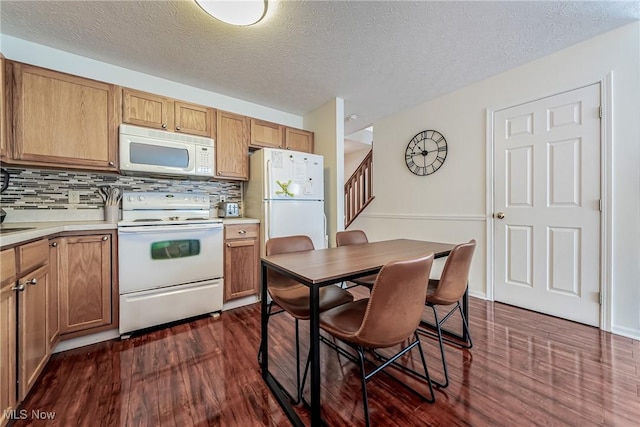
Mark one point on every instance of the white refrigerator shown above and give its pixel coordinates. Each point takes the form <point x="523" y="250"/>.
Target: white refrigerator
<point x="286" y="192"/>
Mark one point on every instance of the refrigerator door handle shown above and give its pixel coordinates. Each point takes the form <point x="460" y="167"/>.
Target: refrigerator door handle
<point x="326" y="237"/>
<point x="268" y="195"/>
<point x="267" y="220"/>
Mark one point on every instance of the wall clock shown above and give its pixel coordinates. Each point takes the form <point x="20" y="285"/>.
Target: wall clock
<point x="426" y="152"/>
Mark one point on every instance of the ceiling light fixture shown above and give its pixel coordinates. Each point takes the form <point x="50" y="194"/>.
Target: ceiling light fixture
<point x="235" y="12"/>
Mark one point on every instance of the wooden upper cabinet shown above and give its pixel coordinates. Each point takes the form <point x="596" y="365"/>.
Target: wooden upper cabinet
<point x="298" y="140"/>
<point x="146" y="109"/>
<point x="193" y="119"/>
<point x="156" y="111"/>
<point x="232" y="146"/>
<point x="266" y="134"/>
<point x="61" y="120"/>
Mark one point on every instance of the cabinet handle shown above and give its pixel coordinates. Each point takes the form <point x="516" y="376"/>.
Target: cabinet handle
<point x="242" y="231"/>
<point x="219" y="173"/>
<point x="111" y="164"/>
<point x="32" y="282"/>
<point x="19" y="288"/>
<point x="54" y="245"/>
<point x="177" y="127"/>
<point x="228" y="245"/>
<point x="105" y="238"/>
<point x="288" y="148"/>
<point x="164" y="126"/>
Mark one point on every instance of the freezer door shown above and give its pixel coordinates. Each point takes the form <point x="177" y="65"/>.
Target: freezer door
<point x="290" y="218"/>
<point x="292" y="175"/>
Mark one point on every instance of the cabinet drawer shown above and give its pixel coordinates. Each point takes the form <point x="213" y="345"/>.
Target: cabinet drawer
<point x="32" y="255"/>
<point x="241" y="231"/>
<point x="7" y="266"/>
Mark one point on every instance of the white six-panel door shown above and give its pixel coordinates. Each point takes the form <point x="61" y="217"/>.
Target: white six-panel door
<point x="546" y="205"/>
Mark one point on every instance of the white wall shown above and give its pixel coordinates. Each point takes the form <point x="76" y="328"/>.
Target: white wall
<point x="450" y="204"/>
<point x="327" y="123"/>
<point x="43" y="56"/>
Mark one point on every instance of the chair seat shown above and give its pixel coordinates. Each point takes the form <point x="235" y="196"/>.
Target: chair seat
<point x="441" y="298"/>
<point x="344" y="321"/>
<point x="295" y="299"/>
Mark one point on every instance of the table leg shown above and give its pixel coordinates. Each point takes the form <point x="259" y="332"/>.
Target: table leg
<point x="314" y="294"/>
<point x="264" y="321"/>
<point x="465" y="310"/>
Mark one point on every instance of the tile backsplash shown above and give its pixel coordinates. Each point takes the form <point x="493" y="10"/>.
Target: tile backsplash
<point x="48" y="189"/>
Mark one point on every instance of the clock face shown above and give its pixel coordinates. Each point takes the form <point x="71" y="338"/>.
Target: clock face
<point x="426" y="152"/>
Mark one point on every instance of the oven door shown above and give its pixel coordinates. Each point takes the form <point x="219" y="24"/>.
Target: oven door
<point x="164" y="255"/>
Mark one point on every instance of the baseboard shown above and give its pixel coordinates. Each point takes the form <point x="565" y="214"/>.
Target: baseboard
<point x="626" y="332"/>
<point x="240" y="302"/>
<point x="477" y="294"/>
<point x="72" y="343"/>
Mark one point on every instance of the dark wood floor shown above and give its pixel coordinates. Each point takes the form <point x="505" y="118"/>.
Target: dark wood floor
<point x="524" y="369"/>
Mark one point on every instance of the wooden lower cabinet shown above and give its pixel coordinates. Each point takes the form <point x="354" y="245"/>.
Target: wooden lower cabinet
<point x="241" y="261"/>
<point x="33" y="347"/>
<point x="84" y="276"/>
<point x="8" y="305"/>
<point x="53" y="305"/>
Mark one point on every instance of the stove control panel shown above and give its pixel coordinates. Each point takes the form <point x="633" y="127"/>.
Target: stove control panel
<point x="164" y="201"/>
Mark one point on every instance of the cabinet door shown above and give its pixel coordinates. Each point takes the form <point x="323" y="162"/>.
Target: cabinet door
<point x="84" y="274"/>
<point x="63" y="120"/>
<point x="7" y="333"/>
<point x="232" y="146"/>
<point x="193" y="119"/>
<point x="146" y="109"/>
<point x="266" y="134"/>
<point x="53" y="311"/>
<point x="34" y="343"/>
<point x="241" y="268"/>
<point x="299" y="140"/>
<point x="3" y="110"/>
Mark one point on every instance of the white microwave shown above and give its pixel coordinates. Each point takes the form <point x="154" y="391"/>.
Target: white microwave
<point x="154" y="152"/>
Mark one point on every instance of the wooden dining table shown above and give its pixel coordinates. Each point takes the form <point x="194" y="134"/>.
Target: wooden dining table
<point x="324" y="267"/>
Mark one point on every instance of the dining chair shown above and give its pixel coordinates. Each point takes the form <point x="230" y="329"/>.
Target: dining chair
<point x="355" y="237"/>
<point x="390" y="316"/>
<point x="447" y="291"/>
<point x="292" y="296"/>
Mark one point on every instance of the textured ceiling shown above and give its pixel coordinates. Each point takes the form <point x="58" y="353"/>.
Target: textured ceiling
<point x="380" y="57"/>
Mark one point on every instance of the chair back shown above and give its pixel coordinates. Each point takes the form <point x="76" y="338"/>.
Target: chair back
<point x="351" y="237"/>
<point x="455" y="275"/>
<point x="396" y="304"/>
<point x="285" y="245"/>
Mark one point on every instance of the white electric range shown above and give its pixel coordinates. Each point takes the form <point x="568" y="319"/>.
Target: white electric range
<point x="170" y="259"/>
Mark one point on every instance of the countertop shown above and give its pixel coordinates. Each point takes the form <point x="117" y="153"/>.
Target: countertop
<point x="46" y="228"/>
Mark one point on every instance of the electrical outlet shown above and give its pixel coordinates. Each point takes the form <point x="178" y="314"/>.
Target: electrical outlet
<point x="74" y="197"/>
<point x="222" y="198"/>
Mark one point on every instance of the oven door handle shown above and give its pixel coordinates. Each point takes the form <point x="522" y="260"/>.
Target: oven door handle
<point x="168" y="228"/>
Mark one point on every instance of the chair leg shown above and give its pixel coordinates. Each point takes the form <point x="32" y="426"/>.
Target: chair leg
<point x="444" y="362"/>
<point x="363" y="377"/>
<point x="426" y="371"/>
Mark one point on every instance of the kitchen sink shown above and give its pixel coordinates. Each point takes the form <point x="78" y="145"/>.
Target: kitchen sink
<point x="4" y="230"/>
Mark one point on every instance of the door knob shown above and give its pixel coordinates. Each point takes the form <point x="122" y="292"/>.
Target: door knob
<point x="499" y="215"/>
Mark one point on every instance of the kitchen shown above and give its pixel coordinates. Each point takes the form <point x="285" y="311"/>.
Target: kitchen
<point x="86" y="280"/>
<point x="176" y="93"/>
